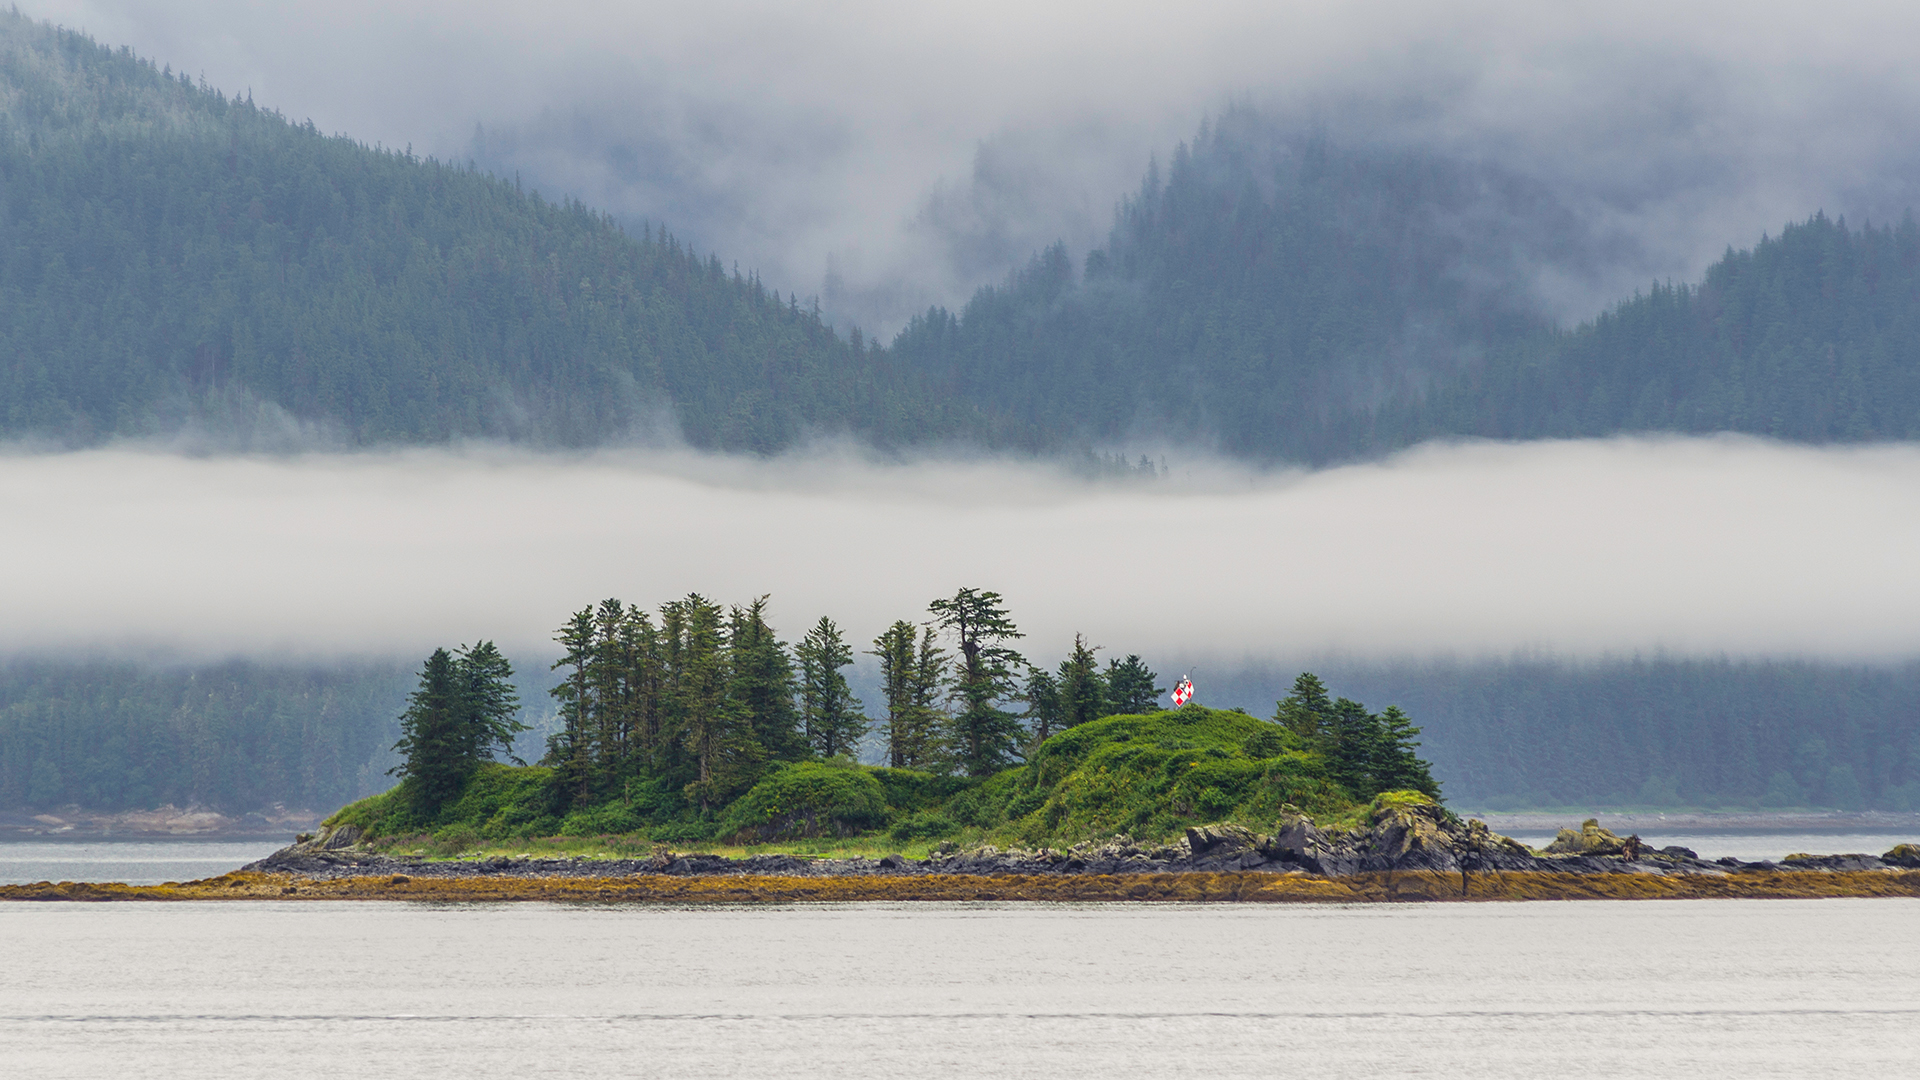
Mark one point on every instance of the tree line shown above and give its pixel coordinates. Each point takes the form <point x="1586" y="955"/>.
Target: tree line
<point x="696" y="702"/>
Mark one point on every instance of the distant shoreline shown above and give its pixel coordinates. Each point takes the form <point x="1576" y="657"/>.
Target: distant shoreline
<point x="159" y="823"/>
<point x="1652" y="821"/>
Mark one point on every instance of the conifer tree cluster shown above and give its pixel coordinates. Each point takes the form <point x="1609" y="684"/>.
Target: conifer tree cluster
<point x="462" y="714"/>
<point x="692" y="705"/>
<point x="1368" y="752"/>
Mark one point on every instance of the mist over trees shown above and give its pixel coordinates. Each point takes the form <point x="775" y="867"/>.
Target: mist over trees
<point x="175" y="259"/>
<point x="172" y="257"/>
<point x="1289" y="297"/>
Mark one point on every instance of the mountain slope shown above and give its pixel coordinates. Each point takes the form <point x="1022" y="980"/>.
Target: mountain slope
<point x="1268" y="296"/>
<point x="1811" y="336"/>
<point x="169" y="255"/>
<point x="1286" y="298"/>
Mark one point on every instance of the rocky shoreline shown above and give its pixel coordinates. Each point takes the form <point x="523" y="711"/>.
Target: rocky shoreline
<point x="1407" y="852"/>
<point x="1400" y="839"/>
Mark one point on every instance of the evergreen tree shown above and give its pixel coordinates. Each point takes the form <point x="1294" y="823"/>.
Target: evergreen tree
<point x="570" y="749"/>
<point x="1353" y="743"/>
<point x="1306" y="711"/>
<point x="1045" y="713"/>
<point x="1083" y="691"/>
<point x="489" y="705"/>
<point x="430" y="736"/>
<point x="763" y="683"/>
<point x="461" y="714"/>
<point x="829" y="710"/>
<point x="725" y="756"/>
<point x="1130" y="686"/>
<point x="1396" y="767"/>
<point x="985" y="736"/>
<point x="912" y="681"/>
<point x="928" y="746"/>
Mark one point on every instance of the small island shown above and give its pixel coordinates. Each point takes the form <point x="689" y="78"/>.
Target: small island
<point x="699" y="759"/>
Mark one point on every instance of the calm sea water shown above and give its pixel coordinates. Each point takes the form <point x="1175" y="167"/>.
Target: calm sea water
<point x="135" y="862"/>
<point x="340" y="990"/>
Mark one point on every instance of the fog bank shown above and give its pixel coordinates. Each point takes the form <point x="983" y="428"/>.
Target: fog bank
<point x="1722" y="545"/>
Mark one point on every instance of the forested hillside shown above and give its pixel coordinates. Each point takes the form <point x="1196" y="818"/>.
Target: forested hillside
<point x="1813" y="335"/>
<point x="1289" y="298"/>
<point x="173" y="258"/>
<point x="170" y="256"/>
<point x="1661" y="731"/>
<point x="113" y="736"/>
<point x="1268" y="296"/>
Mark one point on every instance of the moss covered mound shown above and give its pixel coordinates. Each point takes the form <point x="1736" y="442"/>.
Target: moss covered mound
<point x="1152" y="775"/>
<point x="808" y="798"/>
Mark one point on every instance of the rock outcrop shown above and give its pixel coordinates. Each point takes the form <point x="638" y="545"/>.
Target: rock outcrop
<point x="1403" y="834"/>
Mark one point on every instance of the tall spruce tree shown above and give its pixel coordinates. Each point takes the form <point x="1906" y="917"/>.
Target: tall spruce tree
<point x="1130" y="686"/>
<point x="570" y="749"/>
<point x="927" y="744"/>
<point x="985" y="736"/>
<point x="1044" y="711"/>
<point x="489" y="705"/>
<point x="911" y="680"/>
<point x="1083" y="690"/>
<point x="763" y="683"/>
<point x="830" y="712"/>
<point x="1396" y="766"/>
<point x="461" y="714"/>
<point x="725" y="756"/>
<point x="1307" y="710"/>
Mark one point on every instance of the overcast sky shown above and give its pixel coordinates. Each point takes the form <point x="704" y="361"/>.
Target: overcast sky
<point x="1698" y="547"/>
<point x="915" y="150"/>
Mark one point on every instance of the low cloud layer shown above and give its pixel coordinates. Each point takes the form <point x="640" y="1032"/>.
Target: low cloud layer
<point x="1722" y="545"/>
<point x="887" y="156"/>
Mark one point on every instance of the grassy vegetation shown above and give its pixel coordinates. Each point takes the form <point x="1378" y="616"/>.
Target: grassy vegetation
<point x="1149" y="776"/>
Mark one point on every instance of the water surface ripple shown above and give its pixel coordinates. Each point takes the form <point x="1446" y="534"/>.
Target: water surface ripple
<point x="341" y="990"/>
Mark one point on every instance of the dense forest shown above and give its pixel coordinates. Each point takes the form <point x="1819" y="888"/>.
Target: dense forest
<point x="1662" y="731"/>
<point x="171" y="257"/>
<point x="1813" y="335"/>
<point x="237" y="736"/>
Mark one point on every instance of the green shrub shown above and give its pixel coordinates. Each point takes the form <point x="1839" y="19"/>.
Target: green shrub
<point x="454" y="839"/>
<point x="683" y="832"/>
<point x="910" y="790"/>
<point x="926" y="825"/>
<point x="601" y="820"/>
<point x="808" y="798"/>
<point x="1265" y="743"/>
